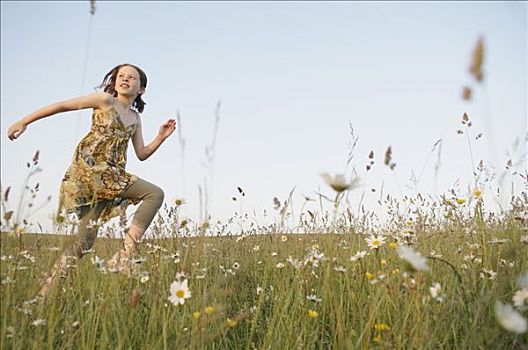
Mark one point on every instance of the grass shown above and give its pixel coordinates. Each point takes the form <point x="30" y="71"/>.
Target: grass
<point x="250" y="281"/>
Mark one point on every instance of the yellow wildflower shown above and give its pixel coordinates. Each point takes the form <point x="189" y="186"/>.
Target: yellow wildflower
<point x="209" y="310"/>
<point x="231" y="323"/>
<point x="369" y="275"/>
<point x="196" y="315"/>
<point x="381" y="327"/>
<point x="393" y="245"/>
<point x="313" y="314"/>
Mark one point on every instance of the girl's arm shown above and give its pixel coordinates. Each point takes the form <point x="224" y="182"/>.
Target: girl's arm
<point x="94" y="100"/>
<point x="142" y="151"/>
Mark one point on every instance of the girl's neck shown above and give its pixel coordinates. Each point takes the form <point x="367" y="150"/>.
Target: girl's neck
<point x="124" y="102"/>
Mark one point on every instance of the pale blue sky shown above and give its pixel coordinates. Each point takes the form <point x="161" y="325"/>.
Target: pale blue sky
<point x="290" y="77"/>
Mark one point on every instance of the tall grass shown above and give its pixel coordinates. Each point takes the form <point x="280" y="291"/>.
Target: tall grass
<point x="250" y="281"/>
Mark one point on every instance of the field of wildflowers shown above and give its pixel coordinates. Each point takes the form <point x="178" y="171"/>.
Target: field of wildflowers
<point x="460" y="281"/>
<point x="439" y="273"/>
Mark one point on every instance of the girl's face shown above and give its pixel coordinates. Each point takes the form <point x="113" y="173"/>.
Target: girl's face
<point x="127" y="82"/>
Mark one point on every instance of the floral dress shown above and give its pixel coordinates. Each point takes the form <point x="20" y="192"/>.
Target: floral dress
<point x="97" y="172"/>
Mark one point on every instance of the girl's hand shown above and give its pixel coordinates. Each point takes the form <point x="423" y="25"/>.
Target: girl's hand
<point x="16" y="130"/>
<point x="167" y="128"/>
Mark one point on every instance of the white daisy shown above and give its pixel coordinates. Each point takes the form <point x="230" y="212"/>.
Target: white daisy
<point x="294" y="262"/>
<point x="417" y="261"/>
<point x="313" y="258"/>
<point x="340" y="268"/>
<point x="183" y="275"/>
<point x="359" y="255"/>
<point x="520" y="299"/>
<point x="488" y="274"/>
<point x="339" y="183"/>
<point x="314" y="298"/>
<point x="509" y="319"/>
<point x="435" y="292"/>
<point x="179" y="291"/>
<point x="374" y="242"/>
<point x="144" y="277"/>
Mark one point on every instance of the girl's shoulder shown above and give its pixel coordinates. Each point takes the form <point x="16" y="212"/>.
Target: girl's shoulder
<point x="105" y="101"/>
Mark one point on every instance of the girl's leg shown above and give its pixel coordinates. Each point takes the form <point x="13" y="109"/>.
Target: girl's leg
<point x="86" y="238"/>
<point x="88" y="228"/>
<point x="152" y="199"/>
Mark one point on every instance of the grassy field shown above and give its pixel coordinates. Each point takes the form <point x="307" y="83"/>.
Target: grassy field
<point x="274" y="291"/>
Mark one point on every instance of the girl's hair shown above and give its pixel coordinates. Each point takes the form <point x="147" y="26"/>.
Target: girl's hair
<point x="108" y="84"/>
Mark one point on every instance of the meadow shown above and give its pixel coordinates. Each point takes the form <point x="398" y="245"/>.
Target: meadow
<point x="350" y="289"/>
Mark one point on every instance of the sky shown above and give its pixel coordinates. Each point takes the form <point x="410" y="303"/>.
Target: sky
<point x="286" y="81"/>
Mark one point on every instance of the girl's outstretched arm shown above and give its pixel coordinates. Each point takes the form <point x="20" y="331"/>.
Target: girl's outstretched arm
<point x="142" y="151"/>
<point x="94" y="100"/>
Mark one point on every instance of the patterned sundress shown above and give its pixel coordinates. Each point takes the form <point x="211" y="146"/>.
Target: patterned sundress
<point x="97" y="171"/>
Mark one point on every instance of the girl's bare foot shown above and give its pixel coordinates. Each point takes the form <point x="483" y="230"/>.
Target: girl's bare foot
<point x="120" y="262"/>
<point x="59" y="270"/>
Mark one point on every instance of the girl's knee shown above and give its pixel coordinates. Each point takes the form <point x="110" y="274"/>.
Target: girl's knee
<point x="157" y="196"/>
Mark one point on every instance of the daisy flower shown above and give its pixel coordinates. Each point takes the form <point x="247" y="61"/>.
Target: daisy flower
<point x="488" y="274"/>
<point x="416" y="261"/>
<point x="435" y="292"/>
<point x="339" y="183"/>
<point x="509" y="319"/>
<point x="359" y="255"/>
<point x="374" y="242"/>
<point x="340" y="268"/>
<point x="179" y="291"/>
<point x="520" y="299"/>
<point x="294" y="262"/>
<point x="314" y="298"/>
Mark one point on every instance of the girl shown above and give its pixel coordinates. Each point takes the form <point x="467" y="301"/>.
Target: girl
<point x="96" y="186"/>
